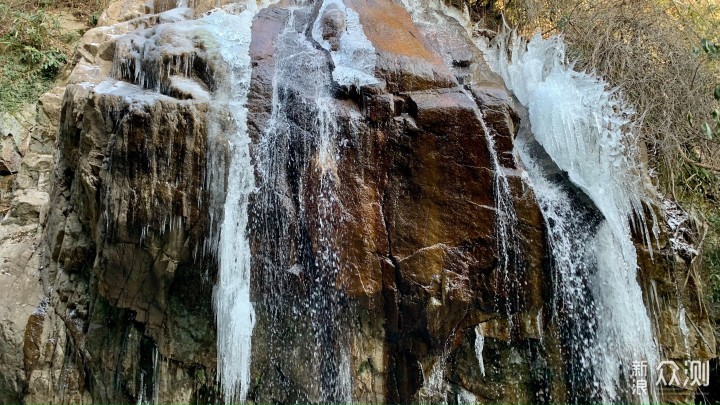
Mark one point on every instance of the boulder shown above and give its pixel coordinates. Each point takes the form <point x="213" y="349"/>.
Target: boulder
<point x="9" y="156"/>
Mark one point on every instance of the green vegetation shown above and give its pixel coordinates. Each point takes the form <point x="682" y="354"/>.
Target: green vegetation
<point x="35" y="46"/>
<point x="32" y="53"/>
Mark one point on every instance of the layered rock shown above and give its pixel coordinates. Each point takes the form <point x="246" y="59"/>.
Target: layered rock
<point x="672" y="288"/>
<point x="25" y="177"/>
<point x="125" y="274"/>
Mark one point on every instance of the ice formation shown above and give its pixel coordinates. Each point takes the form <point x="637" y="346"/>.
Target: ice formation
<point x="586" y="129"/>
<point x="355" y="55"/>
<point x="233" y="306"/>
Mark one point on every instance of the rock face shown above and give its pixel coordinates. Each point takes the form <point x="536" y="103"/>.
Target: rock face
<point x="25" y="173"/>
<point x="681" y="319"/>
<point x="376" y="253"/>
<point x="125" y="226"/>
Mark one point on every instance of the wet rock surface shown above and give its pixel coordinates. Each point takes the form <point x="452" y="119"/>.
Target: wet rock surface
<point x="107" y="238"/>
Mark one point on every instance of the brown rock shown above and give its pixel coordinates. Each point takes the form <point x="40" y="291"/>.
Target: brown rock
<point x="379" y="108"/>
<point x="404" y="59"/>
<point x="680" y="318"/>
<point x="451" y="42"/>
<point x="445" y="110"/>
<point x="266" y="28"/>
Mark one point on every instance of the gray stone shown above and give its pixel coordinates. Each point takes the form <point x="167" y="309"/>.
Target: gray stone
<point x="9" y="156"/>
<point x="332" y="24"/>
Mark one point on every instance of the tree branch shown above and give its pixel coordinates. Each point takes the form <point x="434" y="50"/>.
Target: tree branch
<point x="686" y="159"/>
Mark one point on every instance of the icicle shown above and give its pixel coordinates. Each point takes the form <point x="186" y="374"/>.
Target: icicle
<point x="479" y="344"/>
<point x="156" y="376"/>
<point x="583" y="127"/>
<point x="234" y="310"/>
<point x="141" y="392"/>
<point x="682" y="324"/>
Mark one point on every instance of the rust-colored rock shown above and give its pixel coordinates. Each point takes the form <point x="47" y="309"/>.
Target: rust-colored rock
<point x="404" y="59"/>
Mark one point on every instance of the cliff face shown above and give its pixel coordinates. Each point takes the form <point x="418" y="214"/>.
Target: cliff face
<point x="415" y="235"/>
<point x="25" y="180"/>
<point x="384" y="257"/>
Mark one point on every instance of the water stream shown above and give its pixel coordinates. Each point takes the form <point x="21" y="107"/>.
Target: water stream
<point x="297" y="209"/>
<point x="585" y="130"/>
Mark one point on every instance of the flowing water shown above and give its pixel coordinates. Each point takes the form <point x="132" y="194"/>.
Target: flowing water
<point x="297" y="207"/>
<point x="280" y="207"/>
<point x="584" y="128"/>
<point x="233" y="308"/>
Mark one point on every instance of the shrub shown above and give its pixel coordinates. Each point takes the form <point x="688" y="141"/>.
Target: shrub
<point x="34" y="47"/>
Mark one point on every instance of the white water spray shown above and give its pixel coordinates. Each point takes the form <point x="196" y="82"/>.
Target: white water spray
<point x="584" y="128"/>
<point x="233" y="307"/>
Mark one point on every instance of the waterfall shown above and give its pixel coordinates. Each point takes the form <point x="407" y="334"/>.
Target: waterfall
<point x="570" y="228"/>
<point x="506" y="228"/>
<point x="586" y="131"/>
<point x="233" y="307"/>
<point x="297" y="209"/>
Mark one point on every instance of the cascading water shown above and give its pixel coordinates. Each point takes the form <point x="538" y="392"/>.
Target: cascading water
<point x="224" y="35"/>
<point x="297" y="208"/>
<point x="570" y="228"/>
<point x="583" y="128"/>
<point x="234" y="310"/>
<point x="506" y="228"/>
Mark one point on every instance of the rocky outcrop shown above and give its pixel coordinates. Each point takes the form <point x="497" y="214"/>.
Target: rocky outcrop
<point x="672" y="291"/>
<point x="25" y="177"/>
<point x="418" y="276"/>
<point x="123" y="231"/>
<point x="396" y="227"/>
